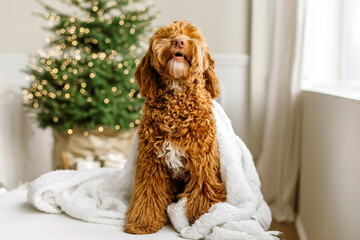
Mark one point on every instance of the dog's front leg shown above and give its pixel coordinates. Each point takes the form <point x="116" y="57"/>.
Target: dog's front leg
<point x="153" y="192"/>
<point x="205" y="187"/>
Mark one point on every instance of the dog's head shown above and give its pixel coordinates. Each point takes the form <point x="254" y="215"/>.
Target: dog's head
<point x="179" y="52"/>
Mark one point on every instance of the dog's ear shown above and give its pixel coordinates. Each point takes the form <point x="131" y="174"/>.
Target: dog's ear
<point x="146" y="76"/>
<point x="211" y="79"/>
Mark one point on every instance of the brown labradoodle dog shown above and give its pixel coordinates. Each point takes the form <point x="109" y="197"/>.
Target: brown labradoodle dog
<point x="178" y="152"/>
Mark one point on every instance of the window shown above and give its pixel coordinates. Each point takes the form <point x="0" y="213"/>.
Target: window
<point x="351" y="42"/>
<point x="332" y="44"/>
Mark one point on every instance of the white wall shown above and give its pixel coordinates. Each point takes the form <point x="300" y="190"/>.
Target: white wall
<point x="25" y="150"/>
<point x="224" y="23"/>
<point x="20" y="30"/>
<point x="330" y="172"/>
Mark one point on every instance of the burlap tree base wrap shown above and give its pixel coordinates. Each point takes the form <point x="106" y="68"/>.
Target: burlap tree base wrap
<point x="95" y="144"/>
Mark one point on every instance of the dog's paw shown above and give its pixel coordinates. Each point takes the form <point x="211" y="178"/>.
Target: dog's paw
<point x="197" y="206"/>
<point x="134" y="228"/>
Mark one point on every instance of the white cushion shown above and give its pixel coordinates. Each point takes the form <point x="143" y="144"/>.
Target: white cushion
<point x="20" y="220"/>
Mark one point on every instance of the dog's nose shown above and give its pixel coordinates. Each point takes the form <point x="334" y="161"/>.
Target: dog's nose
<point x="179" y="43"/>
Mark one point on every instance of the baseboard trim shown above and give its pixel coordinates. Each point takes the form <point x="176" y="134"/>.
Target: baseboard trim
<point x="300" y="228"/>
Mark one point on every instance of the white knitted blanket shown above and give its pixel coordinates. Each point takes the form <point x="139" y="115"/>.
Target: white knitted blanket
<point x="103" y="195"/>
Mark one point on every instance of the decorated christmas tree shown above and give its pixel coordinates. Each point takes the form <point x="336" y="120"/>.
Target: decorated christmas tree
<point x="84" y="77"/>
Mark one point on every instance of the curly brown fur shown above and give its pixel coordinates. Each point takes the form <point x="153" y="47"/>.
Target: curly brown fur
<point x="178" y="152"/>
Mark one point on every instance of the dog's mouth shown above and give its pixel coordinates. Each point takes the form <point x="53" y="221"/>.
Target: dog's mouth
<point x="179" y="57"/>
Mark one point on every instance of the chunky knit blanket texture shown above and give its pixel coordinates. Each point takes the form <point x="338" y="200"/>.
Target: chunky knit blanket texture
<point x="103" y="195"/>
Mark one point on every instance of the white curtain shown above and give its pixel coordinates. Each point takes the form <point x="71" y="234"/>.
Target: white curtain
<point x="276" y="57"/>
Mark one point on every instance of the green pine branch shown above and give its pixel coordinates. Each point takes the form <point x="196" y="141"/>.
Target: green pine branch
<point x="84" y="76"/>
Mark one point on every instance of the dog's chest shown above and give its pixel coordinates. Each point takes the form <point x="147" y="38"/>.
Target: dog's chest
<point x="177" y="114"/>
<point x="174" y="158"/>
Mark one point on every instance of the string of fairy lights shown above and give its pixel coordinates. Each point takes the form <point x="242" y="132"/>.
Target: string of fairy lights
<point x="89" y="59"/>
